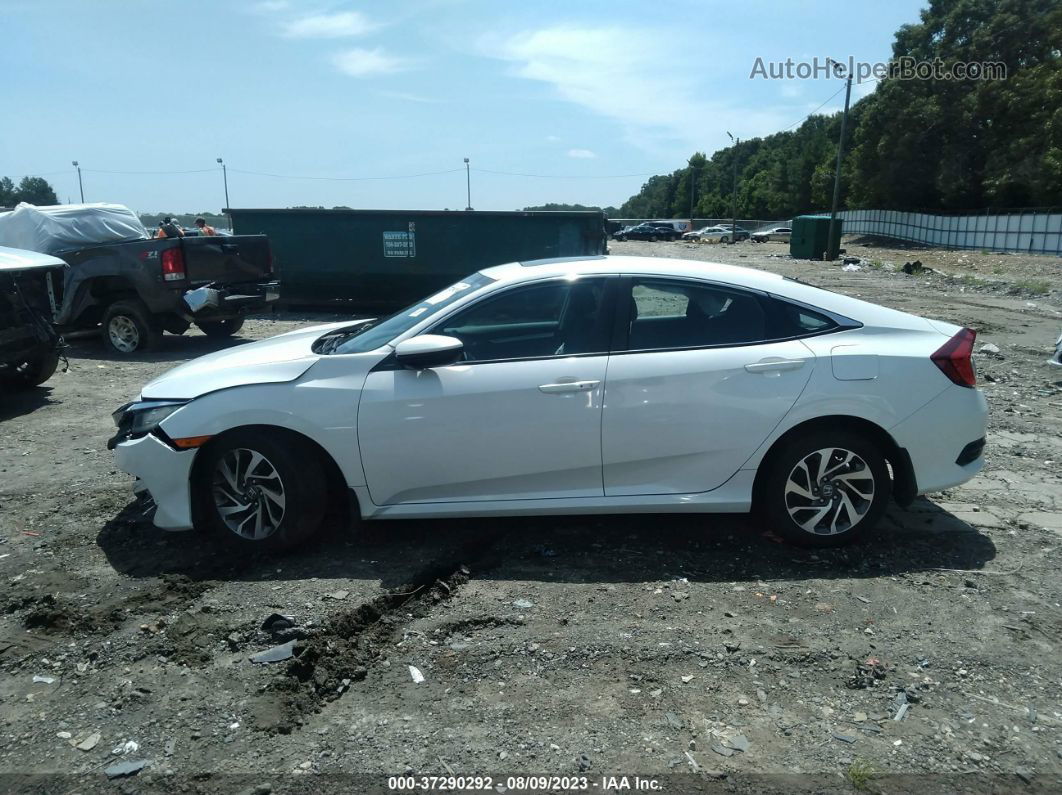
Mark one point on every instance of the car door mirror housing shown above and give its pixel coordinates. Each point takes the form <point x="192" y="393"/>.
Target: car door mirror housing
<point x="429" y="350"/>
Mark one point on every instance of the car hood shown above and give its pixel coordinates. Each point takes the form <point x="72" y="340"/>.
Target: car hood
<point x="270" y="361"/>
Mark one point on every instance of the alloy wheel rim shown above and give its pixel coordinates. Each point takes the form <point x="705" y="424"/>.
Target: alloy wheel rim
<point x="123" y="333"/>
<point x="829" y="491"/>
<point x="248" y="494"/>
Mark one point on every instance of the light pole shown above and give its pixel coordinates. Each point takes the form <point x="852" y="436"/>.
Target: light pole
<point x="831" y="248"/>
<point x="733" y="226"/>
<point x="693" y="188"/>
<point x="468" y="185"/>
<point x="80" y="187"/>
<point x="225" y="177"/>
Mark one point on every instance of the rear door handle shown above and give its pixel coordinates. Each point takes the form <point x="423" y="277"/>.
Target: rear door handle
<point x="568" y="386"/>
<point x="774" y="365"/>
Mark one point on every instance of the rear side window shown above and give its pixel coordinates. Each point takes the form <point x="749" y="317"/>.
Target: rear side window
<point x="674" y="314"/>
<point x="794" y="320"/>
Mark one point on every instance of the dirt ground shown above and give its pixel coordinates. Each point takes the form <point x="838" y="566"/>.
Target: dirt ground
<point x="696" y="652"/>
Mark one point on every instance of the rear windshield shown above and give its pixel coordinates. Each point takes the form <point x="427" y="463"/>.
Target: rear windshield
<point x="370" y="336"/>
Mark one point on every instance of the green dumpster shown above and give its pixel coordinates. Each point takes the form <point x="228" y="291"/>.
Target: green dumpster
<point x="386" y="259"/>
<point x="810" y="236"/>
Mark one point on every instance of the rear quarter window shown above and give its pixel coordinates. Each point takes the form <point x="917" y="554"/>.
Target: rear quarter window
<point x="794" y="320"/>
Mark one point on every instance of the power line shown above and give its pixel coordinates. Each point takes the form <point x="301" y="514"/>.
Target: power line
<point x="345" y="179"/>
<point x="820" y="107"/>
<point x="154" y="173"/>
<point x="561" y="176"/>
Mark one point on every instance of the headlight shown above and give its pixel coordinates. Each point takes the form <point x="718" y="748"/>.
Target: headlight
<point x="136" y="419"/>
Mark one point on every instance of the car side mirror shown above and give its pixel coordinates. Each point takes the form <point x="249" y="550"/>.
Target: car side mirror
<point x="429" y="350"/>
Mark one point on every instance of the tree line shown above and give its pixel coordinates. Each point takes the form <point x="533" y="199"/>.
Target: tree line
<point x="912" y="144"/>
<point x="34" y="190"/>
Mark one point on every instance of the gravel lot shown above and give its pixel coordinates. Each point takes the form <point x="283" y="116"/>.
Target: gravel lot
<point x="694" y="650"/>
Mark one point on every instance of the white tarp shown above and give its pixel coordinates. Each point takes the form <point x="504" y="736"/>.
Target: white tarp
<point x="67" y="227"/>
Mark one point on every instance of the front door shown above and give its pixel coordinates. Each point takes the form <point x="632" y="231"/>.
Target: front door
<point x="519" y="418"/>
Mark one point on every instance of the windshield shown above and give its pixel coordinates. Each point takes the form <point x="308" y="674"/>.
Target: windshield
<point x="370" y="336"/>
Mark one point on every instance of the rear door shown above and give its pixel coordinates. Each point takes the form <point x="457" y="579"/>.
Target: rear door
<point x="228" y="259"/>
<point x="697" y="388"/>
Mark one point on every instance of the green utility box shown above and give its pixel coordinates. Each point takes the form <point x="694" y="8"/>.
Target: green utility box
<point x="387" y="259"/>
<point x="810" y="237"/>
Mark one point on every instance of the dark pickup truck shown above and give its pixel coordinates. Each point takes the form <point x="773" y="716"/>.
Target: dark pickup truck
<point x="136" y="289"/>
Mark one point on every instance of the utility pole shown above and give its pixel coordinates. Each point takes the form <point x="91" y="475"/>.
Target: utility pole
<point x="693" y="188"/>
<point x="225" y="177"/>
<point x="733" y="226"/>
<point x="79" y="185"/>
<point x="831" y="248"/>
<point x="468" y="186"/>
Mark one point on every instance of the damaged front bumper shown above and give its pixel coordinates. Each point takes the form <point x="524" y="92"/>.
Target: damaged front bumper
<point x="164" y="473"/>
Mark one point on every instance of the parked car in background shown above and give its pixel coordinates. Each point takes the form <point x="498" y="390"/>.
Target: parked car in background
<point x="585" y="385"/>
<point x="653" y="231"/>
<point x="719" y="233"/>
<point x="30" y="291"/>
<point x="782" y="233"/>
<point x="134" y="287"/>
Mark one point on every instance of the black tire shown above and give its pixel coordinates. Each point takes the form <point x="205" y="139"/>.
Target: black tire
<point x="652" y="238"/>
<point x="260" y="524"/>
<point x="220" y="328"/>
<point x="32" y="373"/>
<point x="824" y="519"/>
<point x="127" y="328"/>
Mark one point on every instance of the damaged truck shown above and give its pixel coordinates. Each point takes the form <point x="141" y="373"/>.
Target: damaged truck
<point x="133" y="287"/>
<point x="30" y="347"/>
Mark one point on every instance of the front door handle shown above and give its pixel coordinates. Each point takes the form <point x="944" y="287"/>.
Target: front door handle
<point x="568" y="386"/>
<point x="774" y="365"/>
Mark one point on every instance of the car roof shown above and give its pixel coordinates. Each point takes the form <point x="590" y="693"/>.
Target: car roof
<point x="735" y="275"/>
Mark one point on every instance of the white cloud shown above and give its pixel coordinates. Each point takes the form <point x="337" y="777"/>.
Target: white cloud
<point x="553" y="138"/>
<point x="584" y="154"/>
<point x="329" y="26"/>
<point x="366" y="63"/>
<point x="636" y="77"/>
<point x="409" y="97"/>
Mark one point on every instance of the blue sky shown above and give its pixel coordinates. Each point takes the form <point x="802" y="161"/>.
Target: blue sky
<point x="579" y="91"/>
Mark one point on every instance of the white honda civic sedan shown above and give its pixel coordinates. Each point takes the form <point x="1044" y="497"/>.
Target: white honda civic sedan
<point x="569" y="386"/>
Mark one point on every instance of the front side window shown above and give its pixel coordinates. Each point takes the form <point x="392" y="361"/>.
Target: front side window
<point x="560" y="318"/>
<point x="674" y="314"/>
<point x="370" y="336"/>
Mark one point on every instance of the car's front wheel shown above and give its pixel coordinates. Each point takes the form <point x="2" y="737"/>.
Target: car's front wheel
<point x="261" y="490"/>
<point x="825" y="489"/>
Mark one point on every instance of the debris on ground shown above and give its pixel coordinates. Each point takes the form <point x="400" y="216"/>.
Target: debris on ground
<point x="130" y="768"/>
<point x="416" y="675"/>
<point x="285" y="651"/>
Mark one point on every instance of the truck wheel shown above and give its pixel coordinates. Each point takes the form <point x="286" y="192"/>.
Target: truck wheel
<point x="127" y="328"/>
<point x="32" y="373"/>
<point x="220" y="328"/>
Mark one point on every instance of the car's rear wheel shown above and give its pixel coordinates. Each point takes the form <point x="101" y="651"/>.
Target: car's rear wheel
<point x="31" y="373"/>
<point x="127" y="328"/>
<point x="825" y="489"/>
<point x="724" y="239"/>
<point x="652" y="238"/>
<point x="261" y="491"/>
<point x="220" y="328"/>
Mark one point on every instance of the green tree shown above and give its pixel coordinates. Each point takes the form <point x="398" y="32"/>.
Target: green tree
<point x="35" y="190"/>
<point x="7" y="192"/>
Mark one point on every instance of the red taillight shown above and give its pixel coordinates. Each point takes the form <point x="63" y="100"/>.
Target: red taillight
<point x="953" y="358"/>
<point x="172" y="264"/>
